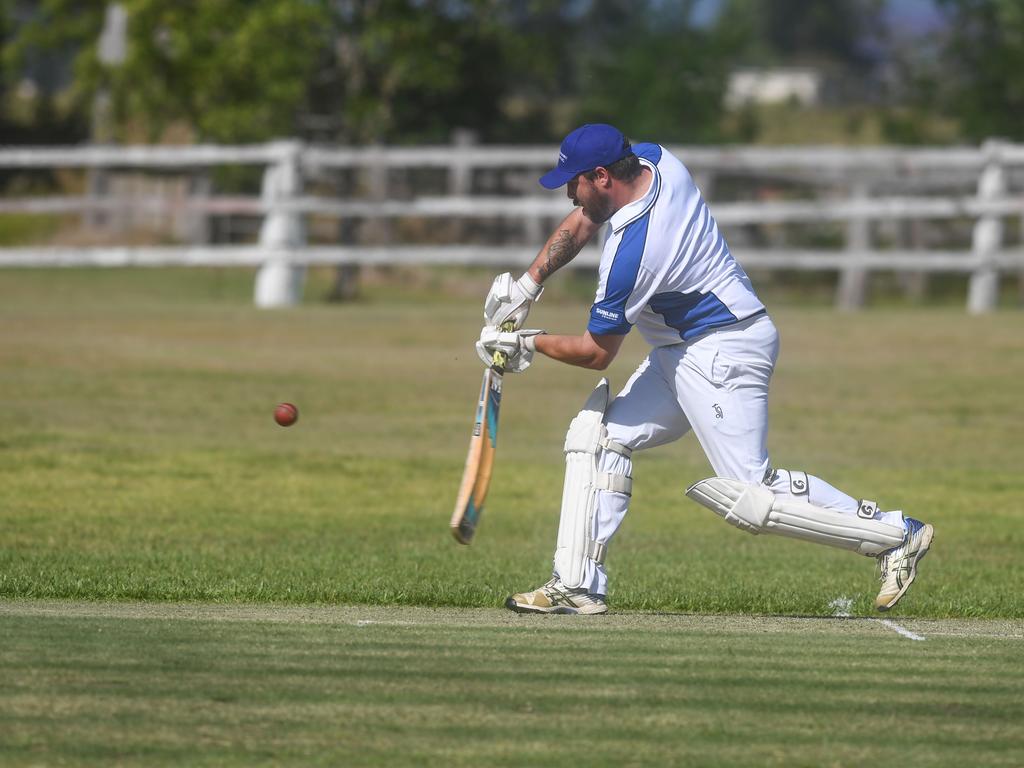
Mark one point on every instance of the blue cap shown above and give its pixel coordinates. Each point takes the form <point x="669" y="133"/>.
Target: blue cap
<point x="588" y="147"/>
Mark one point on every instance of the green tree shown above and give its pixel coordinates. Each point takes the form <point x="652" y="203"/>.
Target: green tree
<point x="341" y="70"/>
<point x="842" y="38"/>
<point x="37" y="120"/>
<point x="411" y="71"/>
<point x="393" y="70"/>
<point x="839" y="30"/>
<point x="232" y="70"/>
<point x="650" y="69"/>
<point x="981" y="66"/>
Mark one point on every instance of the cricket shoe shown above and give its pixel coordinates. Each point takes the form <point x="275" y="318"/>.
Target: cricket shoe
<point x="898" y="566"/>
<point x="555" y="597"/>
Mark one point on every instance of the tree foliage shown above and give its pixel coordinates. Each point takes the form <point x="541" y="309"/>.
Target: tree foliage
<point x="982" y="65"/>
<point x="386" y="70"/>
<point x="784" y="30"/>
<point x="658" y="74"/>
<point x="402" y="71"/>
<point x="231" y="70"/>
<point x="511" y="70"/>
<point x="241" y="70"/>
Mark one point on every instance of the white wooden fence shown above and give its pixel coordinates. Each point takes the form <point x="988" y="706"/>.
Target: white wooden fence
<point x="857" y="188"/>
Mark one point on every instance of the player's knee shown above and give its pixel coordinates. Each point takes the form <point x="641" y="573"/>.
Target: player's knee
<point x="744" y="473"/>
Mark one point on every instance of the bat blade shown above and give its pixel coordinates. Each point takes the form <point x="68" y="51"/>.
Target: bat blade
<point x="476" y="478"/>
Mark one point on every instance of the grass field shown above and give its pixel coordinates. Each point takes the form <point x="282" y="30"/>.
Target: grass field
<point x="217" y="685"/>
<point x="141" y="469"/>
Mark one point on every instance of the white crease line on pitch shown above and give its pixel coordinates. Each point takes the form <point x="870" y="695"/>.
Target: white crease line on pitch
<point x="900" y="630"/>
<point x="841" y="610"/>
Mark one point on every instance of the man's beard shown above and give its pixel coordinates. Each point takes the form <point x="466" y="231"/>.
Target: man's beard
<point x="598" y="210"/>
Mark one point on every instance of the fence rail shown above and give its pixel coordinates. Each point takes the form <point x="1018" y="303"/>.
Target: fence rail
<point x="768" y="212"/>
<point x="813" y="158"/>
<point x="855" y="187"/>
<point x="466" y="255"/>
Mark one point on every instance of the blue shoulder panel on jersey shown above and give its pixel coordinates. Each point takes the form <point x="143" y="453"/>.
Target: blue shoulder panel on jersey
<point x="609" y="314"/>
<point x="691" y="313"/>
<point x="648" y="151"/>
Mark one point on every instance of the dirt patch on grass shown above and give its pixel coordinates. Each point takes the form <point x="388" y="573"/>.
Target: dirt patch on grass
<point x="500" y="618"/>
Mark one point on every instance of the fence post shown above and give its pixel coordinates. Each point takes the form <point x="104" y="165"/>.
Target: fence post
<point x="111" y="50"/>
<point x="914" y="284"/>
<point x="983" y="289"/>
<point x="461" y="172"/>
<point x="852" y="289"/>
<point x="460" y="176"/>
<point x="193" y="223"/>
<point x="280" y="280"/>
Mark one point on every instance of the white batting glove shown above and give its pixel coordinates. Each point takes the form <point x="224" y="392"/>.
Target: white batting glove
<point x="510" y="300"/>
<point x="517" y="346"/>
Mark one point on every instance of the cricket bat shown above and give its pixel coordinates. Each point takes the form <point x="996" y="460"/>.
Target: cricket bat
<point x="476" y="478"/>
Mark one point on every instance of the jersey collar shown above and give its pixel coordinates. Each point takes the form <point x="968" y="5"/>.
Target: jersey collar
<point x="627" y="214"/>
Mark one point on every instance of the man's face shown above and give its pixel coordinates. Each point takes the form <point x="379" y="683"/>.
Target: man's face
<point x="596" y="204"/>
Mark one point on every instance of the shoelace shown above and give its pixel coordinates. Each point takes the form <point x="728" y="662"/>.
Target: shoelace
<point x="551" y="590"/>
<point x="558" y="593"/>
<point x="883" y="560"/>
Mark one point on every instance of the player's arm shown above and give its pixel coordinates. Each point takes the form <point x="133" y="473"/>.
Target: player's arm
<point x="510" y="300"/>
<point x="590" y="350"/>
<point x="562" y="246"/>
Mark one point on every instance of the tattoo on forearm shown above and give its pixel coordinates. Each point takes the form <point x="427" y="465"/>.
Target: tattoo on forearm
<point x="560" y="252"/>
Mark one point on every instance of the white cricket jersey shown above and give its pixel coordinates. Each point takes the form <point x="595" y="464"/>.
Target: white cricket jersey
<point x="665" y="266"/>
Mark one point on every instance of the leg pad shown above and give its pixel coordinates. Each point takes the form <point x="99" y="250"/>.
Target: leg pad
<point x="756" y="509"/>
<point x="587" y="436"/>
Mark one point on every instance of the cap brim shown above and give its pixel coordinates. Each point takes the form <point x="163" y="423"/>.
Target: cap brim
<point x="555" y="178"/>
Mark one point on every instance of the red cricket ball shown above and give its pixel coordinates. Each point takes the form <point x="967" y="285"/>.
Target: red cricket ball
<point x="286" y="414"/>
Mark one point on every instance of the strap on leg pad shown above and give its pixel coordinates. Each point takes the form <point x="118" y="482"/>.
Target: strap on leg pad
<point x="610" y="445"/>
<point x="587" y="435"/>
<point x="867" y="509"/>
<point x="756" y="509"/>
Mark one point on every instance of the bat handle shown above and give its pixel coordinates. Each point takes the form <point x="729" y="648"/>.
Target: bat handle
<point x="500" y="358"/>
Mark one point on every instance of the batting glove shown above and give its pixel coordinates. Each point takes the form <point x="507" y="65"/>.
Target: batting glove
<point x="517" y="346"/>
<point x="510" y="300"/>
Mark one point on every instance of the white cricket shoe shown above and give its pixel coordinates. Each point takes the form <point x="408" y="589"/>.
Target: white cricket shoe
<point x="554" y="597"/>
<point x="898" y="566"/>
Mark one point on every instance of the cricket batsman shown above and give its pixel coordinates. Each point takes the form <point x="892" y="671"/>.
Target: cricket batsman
<point x="666" y="269"/>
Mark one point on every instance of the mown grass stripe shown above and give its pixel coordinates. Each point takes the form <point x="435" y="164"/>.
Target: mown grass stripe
<point x="161" y="688"/>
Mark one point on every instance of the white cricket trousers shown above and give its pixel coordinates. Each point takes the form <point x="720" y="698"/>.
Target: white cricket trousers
<point x="716" y="385"/>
